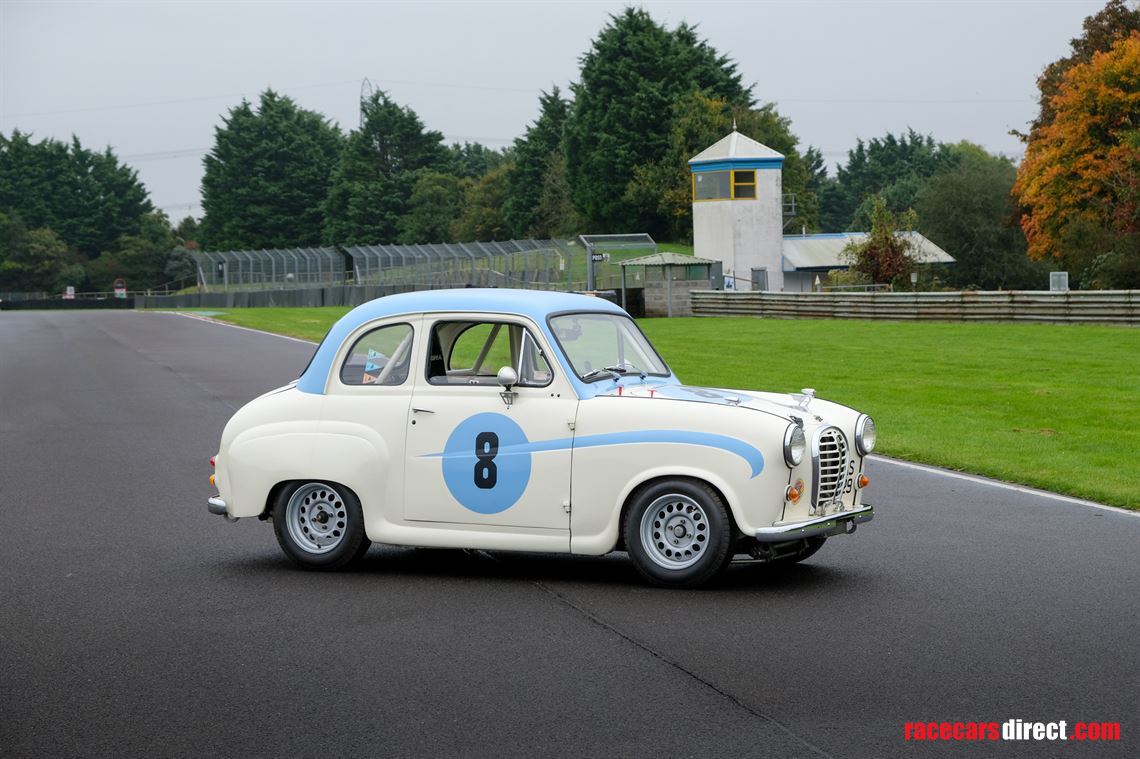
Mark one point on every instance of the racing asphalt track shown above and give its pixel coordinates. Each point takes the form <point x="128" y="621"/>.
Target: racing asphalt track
<point x="134" y="623"/>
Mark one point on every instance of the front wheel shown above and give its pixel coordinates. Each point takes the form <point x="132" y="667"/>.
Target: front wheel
<point x="320" y="525"/>
<point x="678" y="533"/>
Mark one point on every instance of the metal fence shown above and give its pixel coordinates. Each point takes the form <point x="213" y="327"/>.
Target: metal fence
<point x="507" y="263"/>
<point x="541" y="264"/>
<point x="1082" y="306"/>
<point x="261" y="269"/>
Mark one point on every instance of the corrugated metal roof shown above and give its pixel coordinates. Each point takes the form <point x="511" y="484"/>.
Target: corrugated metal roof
<point x="666" y="259"/>
<point x="823" y="251"/>
<point x="735" y="145"/>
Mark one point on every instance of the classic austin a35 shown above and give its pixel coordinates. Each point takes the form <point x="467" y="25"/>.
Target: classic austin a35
<point x="535" y="421"/>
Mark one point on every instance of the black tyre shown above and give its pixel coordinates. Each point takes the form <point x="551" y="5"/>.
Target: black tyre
<point x="319" y="525"/>
<point x="678" y="533"/>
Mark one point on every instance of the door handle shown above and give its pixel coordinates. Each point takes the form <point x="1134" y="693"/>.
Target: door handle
<point x="422" y="410"/>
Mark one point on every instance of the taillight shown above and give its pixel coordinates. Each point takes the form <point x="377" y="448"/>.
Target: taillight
<point x="212" y="460"/>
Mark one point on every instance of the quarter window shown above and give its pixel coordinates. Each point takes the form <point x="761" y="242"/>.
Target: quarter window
<point x="379" y="357"/>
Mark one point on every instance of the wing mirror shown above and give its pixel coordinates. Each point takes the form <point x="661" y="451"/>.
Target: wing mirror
<point x="508" y="378"/>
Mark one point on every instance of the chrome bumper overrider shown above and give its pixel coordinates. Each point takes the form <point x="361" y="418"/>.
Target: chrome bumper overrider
<point x="837" y="524"/>
<point x="216" y="506"/>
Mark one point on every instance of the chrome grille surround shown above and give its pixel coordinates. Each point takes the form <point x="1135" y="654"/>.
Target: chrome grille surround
<point x="830" y="456"/>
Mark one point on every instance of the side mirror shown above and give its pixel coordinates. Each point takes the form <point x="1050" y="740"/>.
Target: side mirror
<point x="508" y="377"/>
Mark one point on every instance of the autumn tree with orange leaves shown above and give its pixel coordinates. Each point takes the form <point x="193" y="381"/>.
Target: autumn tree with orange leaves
<point x="1079" y="184"/>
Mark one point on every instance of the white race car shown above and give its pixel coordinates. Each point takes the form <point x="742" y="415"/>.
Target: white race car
<point x="520" y="420"/>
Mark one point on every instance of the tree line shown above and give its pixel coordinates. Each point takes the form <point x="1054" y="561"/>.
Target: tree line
<point x="609" y="156"/>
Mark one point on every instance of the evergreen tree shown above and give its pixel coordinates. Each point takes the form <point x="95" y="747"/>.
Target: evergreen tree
<point x="34" y="260"/>
<point x="267" y="176"/>
<point x="554" y="217"/>
<point x="660" y="192"/>
<point x="482" y="216"/>
<point x="472" y="160"/>
<point x="433" y="206"/>
<point x="139" y="259"/>
<point x="373" y="182"/>
<point x="88" y="199"/>
<point x="532" y="154"/>
<point x="631" y="77"/>
<point x="890" y="168"/>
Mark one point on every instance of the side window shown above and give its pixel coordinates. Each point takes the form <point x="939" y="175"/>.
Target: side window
<point x="379" y="357"/>
<point x="481" y="349"/>
<point x="471" y="353"/>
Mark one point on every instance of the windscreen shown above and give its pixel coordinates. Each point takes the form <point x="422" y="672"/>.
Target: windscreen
<point x="600" y="345"/>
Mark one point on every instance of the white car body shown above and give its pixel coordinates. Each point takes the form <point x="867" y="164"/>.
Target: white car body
<point x="456" y="461"/>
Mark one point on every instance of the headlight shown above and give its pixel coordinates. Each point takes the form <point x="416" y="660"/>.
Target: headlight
<point x="794" y="445"/>
<point x="865" y="435"/>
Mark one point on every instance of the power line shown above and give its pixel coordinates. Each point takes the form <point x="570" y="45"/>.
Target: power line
<point x="179" y="101"/>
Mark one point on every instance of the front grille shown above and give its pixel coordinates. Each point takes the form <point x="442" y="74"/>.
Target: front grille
<point x="830" y="458"/>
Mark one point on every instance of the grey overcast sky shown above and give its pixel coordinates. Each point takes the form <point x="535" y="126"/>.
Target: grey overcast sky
<point x="153" y="79"/>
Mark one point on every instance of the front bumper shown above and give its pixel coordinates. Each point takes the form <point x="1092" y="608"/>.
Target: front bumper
<point x="842" y="523"/>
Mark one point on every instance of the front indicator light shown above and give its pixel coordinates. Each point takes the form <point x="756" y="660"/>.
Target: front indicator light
<point x="793" y="495"/>
<point x="864" y="481"/>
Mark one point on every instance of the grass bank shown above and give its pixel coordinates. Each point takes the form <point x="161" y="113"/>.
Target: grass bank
<point x="1048" y="406"/>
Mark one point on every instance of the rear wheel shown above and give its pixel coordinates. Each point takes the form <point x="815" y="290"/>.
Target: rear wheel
<point x="678" y="533"/>
<point x="320" y="525"/>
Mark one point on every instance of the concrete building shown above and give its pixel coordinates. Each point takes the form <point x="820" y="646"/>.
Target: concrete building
<point x="738" y="219"/>
<point x="738" y="210"/>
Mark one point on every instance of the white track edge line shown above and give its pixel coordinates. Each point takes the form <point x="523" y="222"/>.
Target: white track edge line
<point x="220" y="323"/>
<point x="1003" y="485"/>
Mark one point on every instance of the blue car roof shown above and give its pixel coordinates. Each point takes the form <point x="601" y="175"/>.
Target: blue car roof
<point x="535" y="304"/>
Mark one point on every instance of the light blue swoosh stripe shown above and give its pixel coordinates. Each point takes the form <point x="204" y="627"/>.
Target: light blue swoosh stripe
<point x="753" y="457"/>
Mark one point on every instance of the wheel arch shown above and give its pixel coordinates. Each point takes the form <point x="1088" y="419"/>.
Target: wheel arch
<point x="634" y="492"/>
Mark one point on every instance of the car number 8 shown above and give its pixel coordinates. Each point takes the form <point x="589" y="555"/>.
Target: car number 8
<point x="486" y="448"/>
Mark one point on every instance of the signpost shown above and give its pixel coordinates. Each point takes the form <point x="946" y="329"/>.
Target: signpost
<point x="69" y="293"/>
<point x="120" y="288"/>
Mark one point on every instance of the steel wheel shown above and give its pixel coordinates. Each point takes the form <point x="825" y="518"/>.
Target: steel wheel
<point x="678" y="532"/>
<point x="316" y="516"/>
<point x="674" y="531"/>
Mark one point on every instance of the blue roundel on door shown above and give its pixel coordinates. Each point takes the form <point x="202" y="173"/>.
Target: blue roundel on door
<point x="486" y="463"/>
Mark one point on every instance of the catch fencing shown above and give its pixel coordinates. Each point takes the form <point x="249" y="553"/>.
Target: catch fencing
<point x="534" y="264"/>
<point x="529" y="264"/>
<point x="1079" y="306"/>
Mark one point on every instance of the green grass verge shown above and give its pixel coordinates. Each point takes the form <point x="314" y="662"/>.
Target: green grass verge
<point x="1048" y="406"/>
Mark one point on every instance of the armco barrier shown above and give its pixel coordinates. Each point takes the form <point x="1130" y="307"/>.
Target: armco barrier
<point x="56" y="304"/>
<point x="1084" y="306"/>
<point x="307" y="297"/>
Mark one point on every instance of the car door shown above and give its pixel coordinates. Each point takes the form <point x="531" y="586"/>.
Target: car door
<point x="479" y="455"/>
<point x="366" y="407"/>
